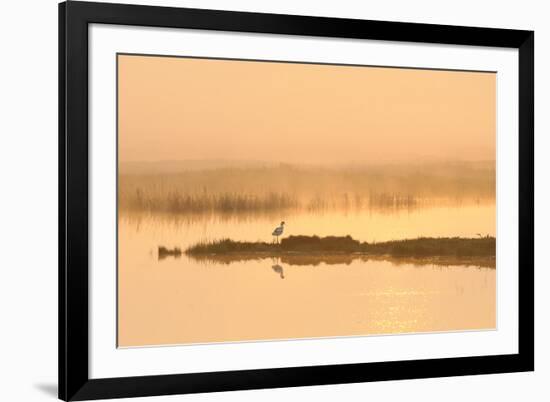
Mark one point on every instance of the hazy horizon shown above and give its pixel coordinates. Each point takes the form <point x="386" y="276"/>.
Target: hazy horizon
<point x="182" y="165"/>
<point x="340" y="163"/>
<point x="180" y="108"/>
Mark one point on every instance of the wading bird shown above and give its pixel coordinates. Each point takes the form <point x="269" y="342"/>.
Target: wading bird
<point x="278" y="231"/>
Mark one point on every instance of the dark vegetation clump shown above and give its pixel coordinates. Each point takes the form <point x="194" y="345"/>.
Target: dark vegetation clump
<point x="441" y="246"/>
<point x="231" y="246"/>
<point x="166" y="252"/>
<point x="325" y="244"/>
<point x="420" y="247"/>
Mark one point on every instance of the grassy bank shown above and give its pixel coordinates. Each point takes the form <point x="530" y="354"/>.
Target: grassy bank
<point x="421" y="247"/>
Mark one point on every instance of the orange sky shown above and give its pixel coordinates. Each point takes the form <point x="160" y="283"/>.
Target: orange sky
<point x="179" y="109"/>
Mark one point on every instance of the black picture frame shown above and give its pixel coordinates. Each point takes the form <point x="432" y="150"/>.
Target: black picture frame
<point x="74" y="381"/>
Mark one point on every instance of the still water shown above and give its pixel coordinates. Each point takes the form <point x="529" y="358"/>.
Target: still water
<point x="182" y="300"/>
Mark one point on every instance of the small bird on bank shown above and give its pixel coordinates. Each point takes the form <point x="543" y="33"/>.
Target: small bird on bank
<point x="278" y="231"/>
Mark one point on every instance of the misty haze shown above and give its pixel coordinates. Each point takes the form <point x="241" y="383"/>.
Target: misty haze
<point x="262" y="201"/>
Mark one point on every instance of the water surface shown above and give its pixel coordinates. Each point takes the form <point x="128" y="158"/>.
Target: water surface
<point x="182" y="300"/>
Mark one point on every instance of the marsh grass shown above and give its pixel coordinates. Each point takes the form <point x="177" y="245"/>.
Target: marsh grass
<point x="332" y="250"/>
<point x="177" y="202"/>
<point x="315" y="189"/>
<point x="420" y="247"/>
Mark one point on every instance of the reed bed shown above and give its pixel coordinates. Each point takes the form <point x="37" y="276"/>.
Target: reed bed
<point x="285" y="188"/>
<point x="177" y="202"/>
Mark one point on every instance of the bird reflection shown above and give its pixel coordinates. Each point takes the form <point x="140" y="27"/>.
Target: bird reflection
<point x="278" y="269"/>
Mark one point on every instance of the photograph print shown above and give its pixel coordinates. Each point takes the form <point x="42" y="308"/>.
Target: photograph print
<point x="269" y="200"/>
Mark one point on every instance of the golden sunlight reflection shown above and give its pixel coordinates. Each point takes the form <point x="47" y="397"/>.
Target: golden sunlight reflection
<point x="183" y="300"/>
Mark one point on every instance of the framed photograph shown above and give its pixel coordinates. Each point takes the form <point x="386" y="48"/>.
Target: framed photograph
<point x="257" y="200"/>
